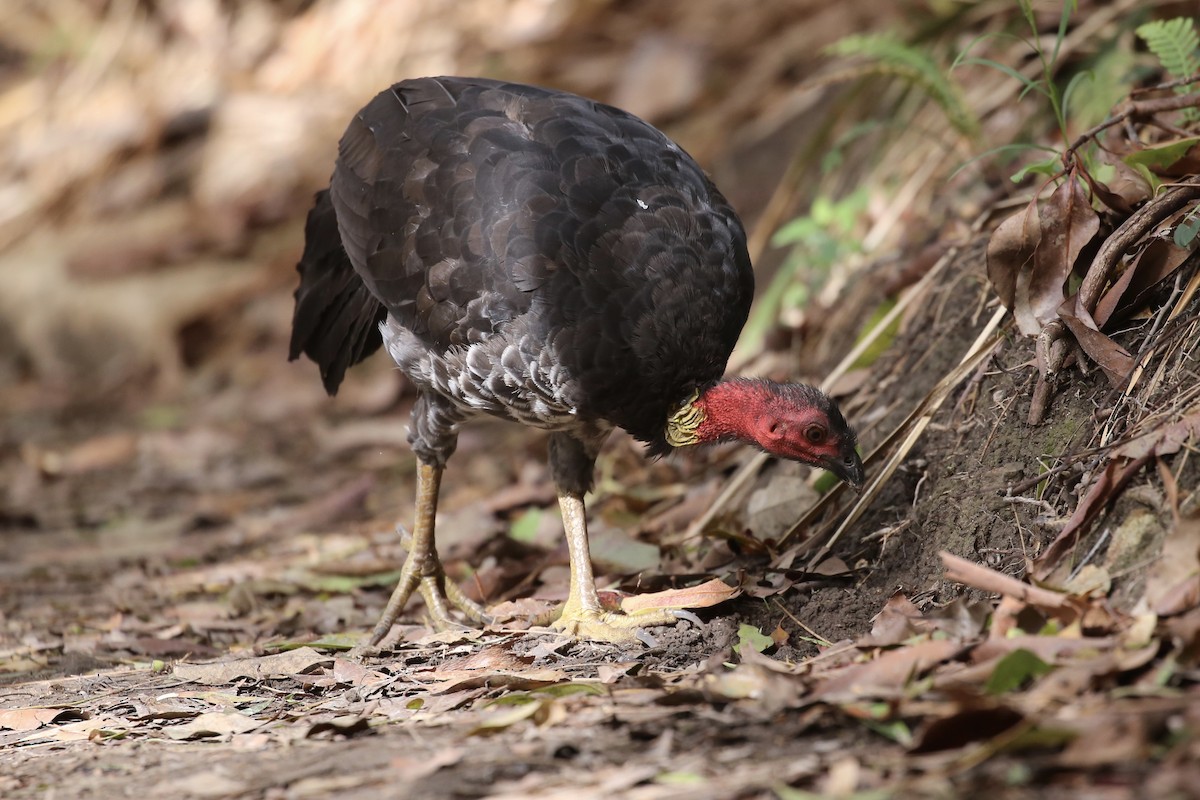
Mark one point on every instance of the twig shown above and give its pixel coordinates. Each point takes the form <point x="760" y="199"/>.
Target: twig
<point x="989" y="580"/>
<point x="1132" y="110"/>
<point x="1131" y="231"/>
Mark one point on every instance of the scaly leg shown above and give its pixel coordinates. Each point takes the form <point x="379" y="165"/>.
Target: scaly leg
<point x="583" y="616"/>
<point x="423" y="570"/>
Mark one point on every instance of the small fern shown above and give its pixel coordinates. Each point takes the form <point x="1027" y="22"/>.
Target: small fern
<point x="892" y="56"/>
<point x="1175" y="43"/>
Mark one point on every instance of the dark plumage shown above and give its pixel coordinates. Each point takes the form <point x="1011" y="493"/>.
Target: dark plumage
<point x="538" y="256"/>
<point x="472" y="208"/>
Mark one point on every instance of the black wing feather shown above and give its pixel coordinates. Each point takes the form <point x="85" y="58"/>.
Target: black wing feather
<point x="336" y="319"/>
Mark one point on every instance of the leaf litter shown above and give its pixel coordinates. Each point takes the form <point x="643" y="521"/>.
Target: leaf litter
<point x="208" y="538"/>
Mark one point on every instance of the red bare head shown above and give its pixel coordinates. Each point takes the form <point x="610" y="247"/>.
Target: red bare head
<point x="788" y="420"/>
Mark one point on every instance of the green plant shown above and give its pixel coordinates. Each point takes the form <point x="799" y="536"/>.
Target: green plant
<point x="818" y="240"/>
<point x="1176" y="44"/>
<point x="890" y="56"/>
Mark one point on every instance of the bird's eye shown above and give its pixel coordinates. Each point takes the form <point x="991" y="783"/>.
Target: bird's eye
<point x="814" y="434"/>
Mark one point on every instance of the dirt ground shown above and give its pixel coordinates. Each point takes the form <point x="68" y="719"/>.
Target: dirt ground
<point x="192" y="547"/>
<point x="268" y="534"/>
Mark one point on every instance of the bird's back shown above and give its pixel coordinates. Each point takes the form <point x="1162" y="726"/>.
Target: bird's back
<point x="475" y="209"/>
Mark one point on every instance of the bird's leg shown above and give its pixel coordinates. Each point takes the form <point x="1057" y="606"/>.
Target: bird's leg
<point x="423" y="570"/>
<point x="582" y="615"/>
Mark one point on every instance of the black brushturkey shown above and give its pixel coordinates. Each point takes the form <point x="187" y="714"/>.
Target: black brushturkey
<point x="541" y="257"/>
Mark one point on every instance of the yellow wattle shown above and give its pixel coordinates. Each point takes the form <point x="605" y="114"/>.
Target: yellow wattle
<point x="683" y="426"/>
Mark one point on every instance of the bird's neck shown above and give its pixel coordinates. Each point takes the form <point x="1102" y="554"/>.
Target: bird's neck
<point x="723" y="411"/>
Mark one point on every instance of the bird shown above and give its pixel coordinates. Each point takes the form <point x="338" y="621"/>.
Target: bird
<point x="535" y="255"/>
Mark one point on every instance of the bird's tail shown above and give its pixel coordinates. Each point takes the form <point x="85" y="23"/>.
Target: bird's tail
<point x="336" y="321"/>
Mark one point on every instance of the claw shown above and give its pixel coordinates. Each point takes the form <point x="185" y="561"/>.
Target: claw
<point x="645" y="638"/>
<point x="683" y="613"/>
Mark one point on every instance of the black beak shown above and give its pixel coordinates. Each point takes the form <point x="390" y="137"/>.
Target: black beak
<point x="848" y="467"/>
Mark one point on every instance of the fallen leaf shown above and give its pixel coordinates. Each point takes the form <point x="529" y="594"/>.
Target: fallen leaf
<point x="509" y="717"/>
<point x="964" y="727"/>
<point x="342" y="727"/>
<point x="1157" y="261"/>
<point x="460" y="680"/>
<point x="1047" y="648"/>
<point x="206" y="783"/>
<point x="894" y="623"/>
<point x="751" y="638"/>
<point x="1126" y="189"/>
<point x="414" y="768"/>
<point x="703" y="596"/>
<point x="30" y="719"/>
<point x="1173" y="581"/>
<point x="213" y="725"/>
<point x="1010" y="253"/>
<point x="1110" y="739"/>
<point x="888" y="673"/>
<point x="280" y="665"/>
<point x="771" y="691"/>
<point x="611" y="673"/>
<point x="1115" y="360"/>
<point x="1068" y="224"/>
<point x="1014" y="670"/>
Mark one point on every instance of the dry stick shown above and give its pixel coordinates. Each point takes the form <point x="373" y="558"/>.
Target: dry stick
<point x="1131" y="231"/>
<point x="979" y="350"/>
<point x="1151" y="348"/>
<point x="978" y="576"/>
<point x="1136" y="109"/>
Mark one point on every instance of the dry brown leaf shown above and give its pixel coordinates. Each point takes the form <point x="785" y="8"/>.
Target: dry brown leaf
<point x="894" y="623"/>
<point x="766" y="687"/>
<point x="1173" y="581"/>
<point x="1010" y="254"/>
<point x="1109" y="739"/>
<point x="888" y="673"/>
<point x="1115" y="360"/>
<point x="413" y="768"/>
<point x="30" y="719"/>
<point x="1047" y="648"/>
<point x="100" y="452"/>
<point x="456" y="681"/>
<point x="280" y="665"/>
<point x="1156" y="262"/>
<point x="705" y="595"/>
<point x="1068" y="224"/>
<point x="1126" y="190"/>
<point x="220" y="725"/>
<point x="1163" y="440"/>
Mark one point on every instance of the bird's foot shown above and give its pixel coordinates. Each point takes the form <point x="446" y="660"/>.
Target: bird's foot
<point x="423" y="573"/>
<point x="617" y="627"/>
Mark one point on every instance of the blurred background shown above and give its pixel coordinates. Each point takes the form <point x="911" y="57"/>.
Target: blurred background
<point x="158" y="157"/>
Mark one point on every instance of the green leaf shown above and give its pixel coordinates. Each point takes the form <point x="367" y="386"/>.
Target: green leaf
<point x="895" y="57"/>
<point x="1175" y="42"/>
<point x="752" y="638"/>
<point x="1014" y="670"/>
<point x="1163" y="156"/>
<point x="1051" y="166"/>
<point x="525" y="527"/>
<point x="895" y="729"/>
<point x="1188" y="229"/>
<point x="680" y="779"/>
